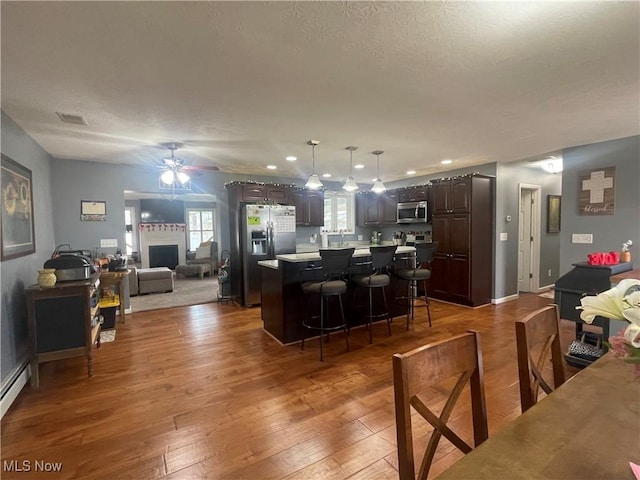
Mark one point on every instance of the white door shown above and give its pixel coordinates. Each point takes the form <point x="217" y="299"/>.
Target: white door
<point x="525" y="239"/>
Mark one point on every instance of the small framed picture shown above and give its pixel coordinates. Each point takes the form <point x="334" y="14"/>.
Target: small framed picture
<point x="93" y="210"/>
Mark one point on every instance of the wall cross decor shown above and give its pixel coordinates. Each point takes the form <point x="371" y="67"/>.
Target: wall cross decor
<point x="597" y="192"/>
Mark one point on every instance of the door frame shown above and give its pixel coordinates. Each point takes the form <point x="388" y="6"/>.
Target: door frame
<point x="534" y="281"/>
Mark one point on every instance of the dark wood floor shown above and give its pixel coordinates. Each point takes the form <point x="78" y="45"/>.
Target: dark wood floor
<point x="204" y="392"/>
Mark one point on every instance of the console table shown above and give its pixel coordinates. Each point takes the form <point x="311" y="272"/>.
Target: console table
<point x="64" y="322"/>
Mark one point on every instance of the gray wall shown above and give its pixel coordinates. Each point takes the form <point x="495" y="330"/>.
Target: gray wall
<point x="510" y="176"/>
<point x="21" y="272"/>
<point x="609" y="231"/>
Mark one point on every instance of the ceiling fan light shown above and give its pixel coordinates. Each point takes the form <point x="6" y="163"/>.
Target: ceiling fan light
<point x="182" y="177"/>
<point x="168" y="177"/>
<point x="350" y="185"/>
<point x="378" y="187"/>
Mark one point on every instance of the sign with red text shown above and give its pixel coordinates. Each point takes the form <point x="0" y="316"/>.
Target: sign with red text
<point x="596" y="194"/>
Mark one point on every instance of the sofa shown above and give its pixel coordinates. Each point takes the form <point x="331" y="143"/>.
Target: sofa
<point x="207" y="252"/>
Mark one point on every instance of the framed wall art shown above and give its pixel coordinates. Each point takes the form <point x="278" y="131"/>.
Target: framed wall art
<point x="597" y="191"/>
<point x="553" y="213"/>
<point x="93" y="211"/>
<point x="17" y="237"/>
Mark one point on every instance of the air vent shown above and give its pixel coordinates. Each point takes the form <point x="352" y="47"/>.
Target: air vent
<point x="70" y="118"/>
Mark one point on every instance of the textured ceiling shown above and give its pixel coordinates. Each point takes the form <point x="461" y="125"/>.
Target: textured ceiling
<point x="244" y="84"/>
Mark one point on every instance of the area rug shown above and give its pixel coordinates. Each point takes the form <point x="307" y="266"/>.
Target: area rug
<point x="548" y="294"/>
<point x="107" y="335"/>
<point x="186" y="291"/>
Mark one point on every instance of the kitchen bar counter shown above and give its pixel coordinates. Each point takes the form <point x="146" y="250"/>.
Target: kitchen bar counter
<point x="283" y="303"/>
<point x="359" y="252"/>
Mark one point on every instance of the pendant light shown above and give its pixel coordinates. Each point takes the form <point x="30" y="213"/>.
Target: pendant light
<point x="314" y="182"/>
<point x="350" y="185"/>
<point x="378" y="186"/>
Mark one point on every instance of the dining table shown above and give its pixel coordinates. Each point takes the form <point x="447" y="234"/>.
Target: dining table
<point x="588" y="428"/>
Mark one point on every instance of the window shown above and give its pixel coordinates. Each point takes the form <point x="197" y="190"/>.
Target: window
<point x="129" y="224"/>
<point x="339" y="211"/>
<point x="200" y="226"/>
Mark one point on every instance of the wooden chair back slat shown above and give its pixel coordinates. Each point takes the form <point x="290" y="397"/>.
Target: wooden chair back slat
<point x="539" y="329"/>
<point x="426" y="366"/>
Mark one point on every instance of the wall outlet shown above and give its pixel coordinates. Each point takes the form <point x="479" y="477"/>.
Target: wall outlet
<point x="582" y="238"/>
<point x="504" y="237"/>
<point x="359" y="238"/>
<point x="108" y="242"/>
<point x="549" y="273"/>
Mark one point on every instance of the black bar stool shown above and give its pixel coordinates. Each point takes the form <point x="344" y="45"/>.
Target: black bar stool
<point x="333" y="283"/>
<point x="424" y="254"/>
<point x="381" y="262"/>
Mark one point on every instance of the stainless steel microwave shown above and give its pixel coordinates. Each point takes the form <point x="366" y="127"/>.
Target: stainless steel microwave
<point x="412" y="212"/>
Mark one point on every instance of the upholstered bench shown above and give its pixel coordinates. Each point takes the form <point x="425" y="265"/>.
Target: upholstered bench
<point x="156" y="279"/>
<point x="194" y="269"/>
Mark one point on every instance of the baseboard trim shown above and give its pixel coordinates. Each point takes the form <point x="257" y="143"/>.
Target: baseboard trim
<point x="497" y="301"/>
<point x="15" y="389"/>
<point x="546" y="288"/>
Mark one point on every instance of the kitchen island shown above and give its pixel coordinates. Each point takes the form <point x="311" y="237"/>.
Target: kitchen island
<point x="284" y="304"/>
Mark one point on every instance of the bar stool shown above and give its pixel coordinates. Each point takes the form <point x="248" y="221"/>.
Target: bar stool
<point x="333" y="283"/>
<point x="424" y="254"/>
<point x="381" y="262"/>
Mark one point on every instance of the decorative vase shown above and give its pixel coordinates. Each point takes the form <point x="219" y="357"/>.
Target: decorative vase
<point x="47" y="277"/>
<point x="625" y="256"/>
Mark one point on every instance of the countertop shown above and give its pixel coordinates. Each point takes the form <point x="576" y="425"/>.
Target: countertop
<point x="305" y="257"/>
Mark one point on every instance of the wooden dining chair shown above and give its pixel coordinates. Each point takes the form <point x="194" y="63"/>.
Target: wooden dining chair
<point x="426" y="366"/>
<point x="538" y="332"/>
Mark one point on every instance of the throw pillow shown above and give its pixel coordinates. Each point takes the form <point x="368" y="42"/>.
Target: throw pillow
<point x="203" y="252"/>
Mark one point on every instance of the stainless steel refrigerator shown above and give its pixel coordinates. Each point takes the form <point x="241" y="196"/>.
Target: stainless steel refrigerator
<point x="267" y="231"/>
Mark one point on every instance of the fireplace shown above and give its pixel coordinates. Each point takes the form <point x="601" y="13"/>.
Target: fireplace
<point x="163" y="256"/>
<point x="161" y="235"/>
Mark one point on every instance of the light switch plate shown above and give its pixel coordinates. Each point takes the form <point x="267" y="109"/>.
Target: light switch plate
<point x="504" y="237"/>
<point x="108" y="242"/>
<point x="582" y="238"/>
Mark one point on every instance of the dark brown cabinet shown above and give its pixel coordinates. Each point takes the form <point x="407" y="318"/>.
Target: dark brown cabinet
<point x="451" y="196"/>
<point x="413" y="194"/>
<point x="253" y="192"/>
<point x="462" y="224"/>
<point x="64" y="322"/>
<point x="377" y="209"/>
<point x="309" y="207"/>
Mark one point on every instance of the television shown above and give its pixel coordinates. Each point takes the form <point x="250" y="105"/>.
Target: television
<point x="158" y="210"/>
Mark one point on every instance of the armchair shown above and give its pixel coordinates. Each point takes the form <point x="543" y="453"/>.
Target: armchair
<point x="206" y="253"/>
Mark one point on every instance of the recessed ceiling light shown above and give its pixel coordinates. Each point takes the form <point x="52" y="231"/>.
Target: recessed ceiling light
<point x="446" y="162"/>
<point x="271" y="167"/>
<point x="326" y="175"/>
<point x="72" y="118"/>
<point x="358" y="166"/>
<point x="374" y="179"/>
<point x="291" y="158"/>
<point x="411" y="172"/>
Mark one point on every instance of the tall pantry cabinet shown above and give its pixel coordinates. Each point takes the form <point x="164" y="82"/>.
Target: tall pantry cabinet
<point x="462" y="224"/>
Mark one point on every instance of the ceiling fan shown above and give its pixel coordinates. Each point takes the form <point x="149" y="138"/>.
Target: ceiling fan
<point x="175" y="168"/>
